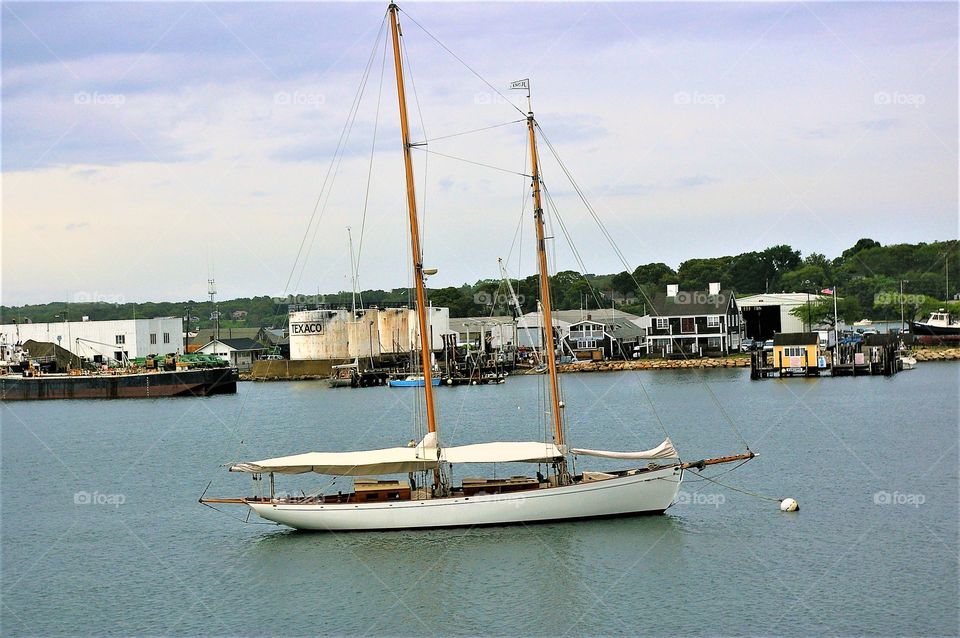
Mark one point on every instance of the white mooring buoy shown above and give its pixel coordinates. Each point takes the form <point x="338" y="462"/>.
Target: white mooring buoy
<point x="789" y="505"/>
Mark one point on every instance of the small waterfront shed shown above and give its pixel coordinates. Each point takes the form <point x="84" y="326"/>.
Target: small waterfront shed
<point x="239" y="353"/>
<point x="796" y="351"/>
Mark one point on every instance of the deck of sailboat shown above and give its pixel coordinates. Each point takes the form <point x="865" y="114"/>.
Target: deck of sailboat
<point x="470" y="487"/>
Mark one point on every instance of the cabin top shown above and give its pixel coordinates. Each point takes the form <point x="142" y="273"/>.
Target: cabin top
<point x="796" y="339"/>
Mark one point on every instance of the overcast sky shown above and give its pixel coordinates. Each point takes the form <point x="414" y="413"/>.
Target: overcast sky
<point x="146" y="145"/>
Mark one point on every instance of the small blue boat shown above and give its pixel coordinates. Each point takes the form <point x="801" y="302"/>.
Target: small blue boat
<point x="411" y="382"/>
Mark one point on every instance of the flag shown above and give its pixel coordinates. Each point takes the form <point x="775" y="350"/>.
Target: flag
<point x="827" y="291"/>
<point x="521" y="84"/>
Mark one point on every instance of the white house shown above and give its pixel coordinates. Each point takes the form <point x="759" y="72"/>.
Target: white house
<point x="100" y="341"/>
<point x="529" y="326"/>
<point x="497" y="331"/>
<point x="239" y="353"/>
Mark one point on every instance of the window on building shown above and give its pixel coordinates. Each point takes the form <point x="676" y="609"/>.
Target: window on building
<point x="687" y="324"/>
<point x="121" y="339"/>
<point x="153" y="338"/>
<point x="713" y="321"/>
<point x="166" y="337"/>
<point x="662" y="323"/>
<point x="713" y="343"/>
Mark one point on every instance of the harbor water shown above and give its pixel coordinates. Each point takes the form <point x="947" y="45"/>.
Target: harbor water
<point x="102" y="532"/>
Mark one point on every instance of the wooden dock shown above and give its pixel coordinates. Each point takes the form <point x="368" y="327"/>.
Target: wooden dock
<point x="873" y="355"/>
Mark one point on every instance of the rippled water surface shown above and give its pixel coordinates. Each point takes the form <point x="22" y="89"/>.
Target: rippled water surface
<point x="872" y="461"/>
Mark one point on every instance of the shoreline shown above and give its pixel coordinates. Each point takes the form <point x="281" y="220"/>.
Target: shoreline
<point x="933" y="353"/>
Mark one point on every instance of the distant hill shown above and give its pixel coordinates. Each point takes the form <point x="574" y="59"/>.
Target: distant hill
<point x="867" y="275"/>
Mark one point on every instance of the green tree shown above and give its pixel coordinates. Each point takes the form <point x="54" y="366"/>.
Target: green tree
<point x="795" y="280"/>
<point x="820" y="311"/>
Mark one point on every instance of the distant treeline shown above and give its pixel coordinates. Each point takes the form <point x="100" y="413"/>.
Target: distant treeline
<point x="867" y="275"/>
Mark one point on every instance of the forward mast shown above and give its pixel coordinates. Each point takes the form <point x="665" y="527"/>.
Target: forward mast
<point x="416" y="251"/>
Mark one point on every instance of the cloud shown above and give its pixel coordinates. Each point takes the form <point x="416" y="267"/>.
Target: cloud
<point x="198" y="126"/>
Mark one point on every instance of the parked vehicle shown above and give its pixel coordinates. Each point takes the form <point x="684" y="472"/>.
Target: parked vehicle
<point x="768" y="345"/>
<point x="747" y="345"/>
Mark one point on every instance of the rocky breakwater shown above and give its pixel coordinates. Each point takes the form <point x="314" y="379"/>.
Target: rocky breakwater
<point x="936" y="354"/>
<point x="653" y="364"/>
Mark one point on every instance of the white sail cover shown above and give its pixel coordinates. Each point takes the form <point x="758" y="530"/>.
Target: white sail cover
<point x="394" y="460"/>
<point x="663" y="451"/>
<point x="503" y="452"/>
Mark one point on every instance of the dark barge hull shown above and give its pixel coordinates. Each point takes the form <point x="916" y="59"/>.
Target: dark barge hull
<point x="120" y="386"/>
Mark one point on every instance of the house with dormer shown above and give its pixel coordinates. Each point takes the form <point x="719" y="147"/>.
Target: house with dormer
<point x="694" y="323"/>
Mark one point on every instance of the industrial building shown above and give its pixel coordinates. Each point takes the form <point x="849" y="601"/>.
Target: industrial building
<point x="103" y="341"/>
<point x="769" y="314"/>
<point x="329" y="335"/>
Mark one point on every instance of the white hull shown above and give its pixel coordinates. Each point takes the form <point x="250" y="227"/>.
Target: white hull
<point x="646" y="492"/>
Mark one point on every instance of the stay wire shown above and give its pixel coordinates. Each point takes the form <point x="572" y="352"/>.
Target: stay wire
<point x="340" y="142"/>
<point x="423" y="128"/>
<point x="462" y="159"/>
<point x="373" y="148"/>
<point x="353" y="119"/>
<point x="738" y="489"/>
<point x="467" y="66"/>
<point x="629" y="270"/>
<point x="573" y="248"/>
<point x="476" y="130"/>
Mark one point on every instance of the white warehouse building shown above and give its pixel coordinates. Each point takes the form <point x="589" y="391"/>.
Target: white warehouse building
<point x="340" y="335"/>
<point x="100" y="341"/>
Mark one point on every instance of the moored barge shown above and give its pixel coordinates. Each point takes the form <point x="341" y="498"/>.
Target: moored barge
<point x="198" y="382"/>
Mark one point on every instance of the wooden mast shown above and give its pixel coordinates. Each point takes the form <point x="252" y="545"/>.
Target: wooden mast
<point x="416" y="252"/>
<point x="548" y="345"/>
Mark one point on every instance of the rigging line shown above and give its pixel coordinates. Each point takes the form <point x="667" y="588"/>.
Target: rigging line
<point x="656" y="413"/>
<point x="461" y="159"/>
<point x="727" y="471"/>
<point x="599" y="222"/>
<point x="373" y="147"/>
<point x="423" y="128"/>
<point x="352" y="119"/>
<point x="573" y="248"/>
<point x="526" y="197"/>
<point x="467" y="66"/>
<point x="326" y="178"/>
<point x="242" y="520"/>
<point x="549" y="218"/>
<point x="518" y="234"/>
<point x="583" y="198"/>
<point x="741" y="490"/>
<point x="626" y="265"/>
<point x="476" y="130"/>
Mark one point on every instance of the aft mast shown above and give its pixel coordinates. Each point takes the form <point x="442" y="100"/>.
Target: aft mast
<point x="548" y="346"/>
<point x="416" y="251"/>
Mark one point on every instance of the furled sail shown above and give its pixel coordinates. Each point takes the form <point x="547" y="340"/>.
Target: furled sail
<point x="395" y="460"/>
<point x="663" y="451"/>
<point x="503" y="452"/>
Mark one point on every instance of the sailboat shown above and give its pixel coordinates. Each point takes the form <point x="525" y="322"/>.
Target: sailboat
<point x="377" y="502"/>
